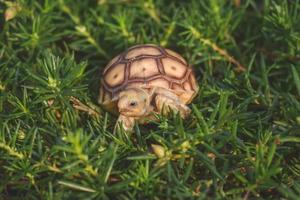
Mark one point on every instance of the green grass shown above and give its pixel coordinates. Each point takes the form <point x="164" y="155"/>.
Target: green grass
<point x="242" y="140"/>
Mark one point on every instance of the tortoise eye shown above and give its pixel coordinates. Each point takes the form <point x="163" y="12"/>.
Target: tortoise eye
<point x="133" y="103"/>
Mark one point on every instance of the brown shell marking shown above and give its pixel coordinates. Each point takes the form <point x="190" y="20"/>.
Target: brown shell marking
<point x="193" y="82"/>
<point x="115" y="75"/>
<point x="159" y="82"/>
<point x="173" y="68"/>
<point x="176" y="86"/>
<point x="143" y="68"/>
<point x="101" y="94"/>
<point x="148" y="66"/>
<point x="145" y="50"/>
<point x="114" y="60"/>
<point x="187" y="85"/>
<point x="176" y="55"/>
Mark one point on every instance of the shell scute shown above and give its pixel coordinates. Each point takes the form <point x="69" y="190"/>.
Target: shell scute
<point x="143" y="68"/>
<point x="173" y="68"/>
<point x="115" y="75"/>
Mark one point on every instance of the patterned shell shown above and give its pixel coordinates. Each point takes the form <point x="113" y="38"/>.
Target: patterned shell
<point x="147" y="66"/>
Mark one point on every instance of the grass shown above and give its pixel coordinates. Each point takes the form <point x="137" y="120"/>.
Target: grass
<point x="242" y="140"/>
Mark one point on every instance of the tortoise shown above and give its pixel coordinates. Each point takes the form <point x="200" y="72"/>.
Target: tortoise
<point x="146" y="80"/>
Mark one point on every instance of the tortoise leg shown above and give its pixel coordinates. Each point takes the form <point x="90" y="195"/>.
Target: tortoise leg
<point x="127" y="123"/>
<point x="167" y="102"/>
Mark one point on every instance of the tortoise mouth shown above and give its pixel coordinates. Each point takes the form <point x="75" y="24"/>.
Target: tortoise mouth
<point x="131" y="113"/>
<point x="127" y="112"/>
<point x="124" y="110"/>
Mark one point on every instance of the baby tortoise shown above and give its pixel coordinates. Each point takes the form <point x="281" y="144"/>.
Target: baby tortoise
<point x="147" y="79"/>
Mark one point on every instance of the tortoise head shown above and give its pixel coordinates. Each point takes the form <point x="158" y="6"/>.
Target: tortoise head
<point x="133" y="102"/>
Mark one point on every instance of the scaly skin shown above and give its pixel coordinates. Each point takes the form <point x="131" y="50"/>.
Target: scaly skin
<point x="165" y="101"/>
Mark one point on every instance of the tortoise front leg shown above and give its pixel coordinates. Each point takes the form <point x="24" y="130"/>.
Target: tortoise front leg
<point x="125" y="122"/>
<point x="167" y="102"/>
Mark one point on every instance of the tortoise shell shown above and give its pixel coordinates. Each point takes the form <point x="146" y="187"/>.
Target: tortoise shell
<point x="147" y="66"/>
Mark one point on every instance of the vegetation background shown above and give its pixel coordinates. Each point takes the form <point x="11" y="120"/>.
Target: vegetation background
<point x="242" y="140"/>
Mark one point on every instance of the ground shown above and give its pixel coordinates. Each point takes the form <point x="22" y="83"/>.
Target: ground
<point x="242" y="140"/>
